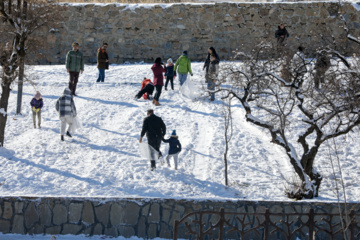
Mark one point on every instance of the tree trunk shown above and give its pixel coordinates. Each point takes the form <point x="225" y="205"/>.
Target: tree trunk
<point x="226" y="165"/>
<point x="4" y="100"/>
<point x="20" y="85"/>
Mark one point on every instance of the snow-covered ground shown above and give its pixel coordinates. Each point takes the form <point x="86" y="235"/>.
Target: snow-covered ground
<point x="103" y="160"/>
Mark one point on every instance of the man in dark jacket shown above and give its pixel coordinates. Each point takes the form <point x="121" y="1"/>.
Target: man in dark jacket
<point x="155" y="129"/>
<point x="321" y="66"/>
<point x="281" y="35"/>
<point x="74" y="65"/>
<point x="102" y="62"/>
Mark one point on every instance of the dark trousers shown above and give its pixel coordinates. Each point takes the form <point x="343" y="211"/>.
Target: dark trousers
<point x="158" y="92"/>
<point x="74" y="77"/>
<point x="154" y="142"/>
<point x="171" y="79"/>
<point x="149" y="89"/>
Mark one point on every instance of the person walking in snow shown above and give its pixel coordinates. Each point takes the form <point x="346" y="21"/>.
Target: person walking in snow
<point x="147" y="89"/>
<point x="281" y="34"/>
<point x="158" y="69"/>
<point x="174" y="150"/>
<point x="213" y="73"/>
<point x="299" y="64"/>
<point x="155" y="129"/>
<point x="183" y="67"/>
<point x="211" y="51"/>
<point x="65" y="106"/>
<point x="102" y="62"/>
<point x="74" y="65"/>
<point x="321" y="66"/>
<point x="170" y="74"/>
<point x="36" y="105"/>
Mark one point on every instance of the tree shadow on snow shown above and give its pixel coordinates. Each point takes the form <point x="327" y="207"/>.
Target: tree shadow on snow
<point x="32" y="95"/>
<point x="119" y="133"/>
<point x="54" y="170"/>
<point x="126" y="104"/>
<point x="103" y="148"/>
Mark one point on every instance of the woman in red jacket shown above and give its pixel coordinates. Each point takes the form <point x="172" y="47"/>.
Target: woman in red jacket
<point x="158" y="69"/>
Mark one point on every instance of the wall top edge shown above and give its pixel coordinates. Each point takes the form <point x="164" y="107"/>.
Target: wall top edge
<point x="165" y="5"/>
<point x="146" y="200"/>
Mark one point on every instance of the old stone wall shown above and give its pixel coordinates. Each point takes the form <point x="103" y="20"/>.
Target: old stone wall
<point x="145" y="218"/>
<point x="143" y="32"/>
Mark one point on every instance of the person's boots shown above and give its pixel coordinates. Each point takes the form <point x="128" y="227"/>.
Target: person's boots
<point x="62" y="137"/>
<point x="68" y="134"/>
<point x="157" y="103"/>
<point x="153" y="165"/>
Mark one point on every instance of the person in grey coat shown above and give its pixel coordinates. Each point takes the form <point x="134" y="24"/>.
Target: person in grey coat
<point x="65" y="106"/>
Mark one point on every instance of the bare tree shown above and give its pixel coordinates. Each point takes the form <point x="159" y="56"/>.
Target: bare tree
<point x="228" y="133"/>
<point x="9" y="64"/>
<point x="23" y="18"/>
<point x="20" y="19"/>
<point x="285" y="107"/>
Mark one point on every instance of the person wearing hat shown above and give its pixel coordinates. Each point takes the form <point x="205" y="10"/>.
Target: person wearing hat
<point x="36" y="105"/>
<point x="183" y="67"/>
<point x="74" y="65"/>
<point x="102" y="62"/>
<point x="155" y="129"/>
<point x="170" y="74"/>
<point x="174" y="150"/>
<point x="65" y="106"/>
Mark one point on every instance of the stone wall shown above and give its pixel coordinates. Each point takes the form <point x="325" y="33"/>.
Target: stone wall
<point x="145" y="218"/>
<point x="143" y="32"/>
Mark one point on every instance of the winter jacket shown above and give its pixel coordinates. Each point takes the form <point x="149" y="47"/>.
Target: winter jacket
<point x="281" y="32"/>
<point x="208" y="62"/>
<point x="322" y="62"/>
<point x="65" y="105"/>
<point x="158" y="71"/>
<point x="154" y="127"/>
<point x="75" y="61"/>
<point x="184" y="65"/>
<point x="298" y="62"/>
<point x="143" y="84"/>
<point x="170" y="71"/>
<point x="102" y="56"/>
<point x="174" y="144"/>
<point x="38" y="104"/>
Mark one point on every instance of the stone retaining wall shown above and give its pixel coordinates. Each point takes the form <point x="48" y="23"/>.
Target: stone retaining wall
<point x="143" y="32"/>
<point x="145" y="218"/>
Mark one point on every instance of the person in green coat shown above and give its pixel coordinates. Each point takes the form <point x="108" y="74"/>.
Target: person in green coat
<point x="184" y="65"/>
<point x="74" y="65"/>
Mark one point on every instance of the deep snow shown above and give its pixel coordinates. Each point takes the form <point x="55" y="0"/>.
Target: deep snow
<point x="103" y="160"/>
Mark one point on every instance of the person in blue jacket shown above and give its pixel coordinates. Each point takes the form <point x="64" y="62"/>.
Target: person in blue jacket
<point x="36" y="105"/>
<point x="174" y="150"/>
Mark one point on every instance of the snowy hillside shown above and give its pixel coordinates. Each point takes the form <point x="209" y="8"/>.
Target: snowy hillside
<point x="103" y="160"/>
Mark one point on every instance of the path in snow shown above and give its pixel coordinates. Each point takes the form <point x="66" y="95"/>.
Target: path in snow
<point x="102" y="159"/>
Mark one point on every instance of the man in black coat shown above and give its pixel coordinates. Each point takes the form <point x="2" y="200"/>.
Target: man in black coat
<point x="281" y="35"/>
<point x="155" y="130"/>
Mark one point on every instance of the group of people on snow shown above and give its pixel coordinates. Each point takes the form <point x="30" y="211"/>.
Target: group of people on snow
<point x="153" y="126"/>
<point x="181" y="69"/>
<point x="299" y="63"/>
